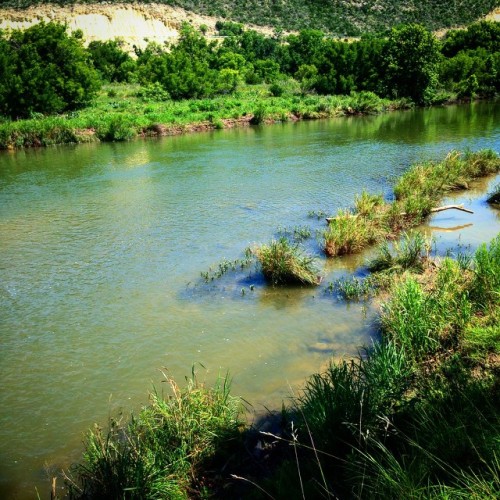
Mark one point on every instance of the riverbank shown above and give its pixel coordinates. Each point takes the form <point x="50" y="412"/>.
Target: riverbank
<point x="122" y="112"/>
<point x="416" y="414"/>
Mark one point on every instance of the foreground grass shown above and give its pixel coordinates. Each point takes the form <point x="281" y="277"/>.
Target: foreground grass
<point x="122" y="112"/>
<point x="159" y="453"/>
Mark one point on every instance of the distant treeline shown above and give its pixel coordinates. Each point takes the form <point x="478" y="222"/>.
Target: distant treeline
<point x="341" y="17"/>
<point x="45" y="70"/>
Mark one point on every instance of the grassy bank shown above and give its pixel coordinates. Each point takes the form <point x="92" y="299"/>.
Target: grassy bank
<point x="416" y="415"/>
<point x="122" y="112"/>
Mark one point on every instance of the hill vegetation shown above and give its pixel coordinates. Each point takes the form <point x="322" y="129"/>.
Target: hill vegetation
<point x="340" y="17"/>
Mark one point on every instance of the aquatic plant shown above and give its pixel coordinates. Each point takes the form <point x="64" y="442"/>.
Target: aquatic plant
<point x="296" y="233"/>
<point x="283" y="263"/>
<point x="407" y="253"/>
<point x="225" y="265"/>
<point x="347" y="233"/>
<point x="353" y="288"/>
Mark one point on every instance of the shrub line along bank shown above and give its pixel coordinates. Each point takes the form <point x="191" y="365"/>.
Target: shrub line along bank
<point x="417" y="415"/>
<point x="247" y="78"/>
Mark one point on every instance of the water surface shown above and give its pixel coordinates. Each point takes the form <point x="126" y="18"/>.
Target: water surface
<point x="101" y="249"/>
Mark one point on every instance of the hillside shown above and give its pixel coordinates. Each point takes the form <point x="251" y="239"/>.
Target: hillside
<point x="339" y="17"/>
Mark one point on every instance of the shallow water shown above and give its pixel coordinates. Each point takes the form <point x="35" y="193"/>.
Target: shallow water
<point x="101" y="249"/>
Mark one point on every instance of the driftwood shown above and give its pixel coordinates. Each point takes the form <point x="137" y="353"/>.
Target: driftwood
<point x="449" y="207"/>
<point x="433" y="211"/>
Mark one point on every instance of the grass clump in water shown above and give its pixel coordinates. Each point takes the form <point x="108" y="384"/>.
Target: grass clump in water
<point x="348" y="234"/>
<point x="283" y="263"/>
<point x="158" y="453"/>
<point x="408" y="253"/>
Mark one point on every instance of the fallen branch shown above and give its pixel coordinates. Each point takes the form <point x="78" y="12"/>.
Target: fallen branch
<point x="402" y="214"/>
<point x="449" y="207"/>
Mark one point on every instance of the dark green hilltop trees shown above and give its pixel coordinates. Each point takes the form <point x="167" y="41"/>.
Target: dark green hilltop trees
<point x="340" y="17"/>
<point x="44" y="70"/>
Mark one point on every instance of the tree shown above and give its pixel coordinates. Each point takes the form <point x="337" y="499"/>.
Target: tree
<point x="411" y="59"/>
<point x="44" y="70"/>
<point x="114" y="64"/>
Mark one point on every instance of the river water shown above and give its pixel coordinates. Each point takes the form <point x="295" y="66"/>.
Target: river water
<point x="102" y="245"/>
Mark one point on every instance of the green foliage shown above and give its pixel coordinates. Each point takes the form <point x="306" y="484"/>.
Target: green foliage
<point x="347" y="234"/>
<point x="44" y="70"/>
<point x="342" y="17"/>
<point x="411" y="60"/>
<point x="153" y="92"/>
<point x="486" y="284"/>
<point x="114" y="64"/>
<point x="156" y="454"/>
<point x="408" y="253"/>
<point x="283" y="263"/>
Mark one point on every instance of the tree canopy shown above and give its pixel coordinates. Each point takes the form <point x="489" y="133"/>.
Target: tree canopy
<point x="44" y="70"/>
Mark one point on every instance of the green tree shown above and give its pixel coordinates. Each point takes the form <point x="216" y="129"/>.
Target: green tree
<point x="44" y="70"/>
<point x="109" y="58"/>
<point x="411" y="62"/>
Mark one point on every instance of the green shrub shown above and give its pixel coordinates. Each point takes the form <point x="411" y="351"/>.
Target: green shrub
<point x="44" y="70"/>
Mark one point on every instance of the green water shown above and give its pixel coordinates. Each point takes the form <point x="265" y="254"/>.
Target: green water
<point x="101" y="249"/>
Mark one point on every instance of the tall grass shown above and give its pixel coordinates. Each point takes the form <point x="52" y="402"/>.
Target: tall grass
<point x="347" y="234"/>
<point x="416" y="415"/>
<point x="407" y="253"/>
<point x="157" y="453"/>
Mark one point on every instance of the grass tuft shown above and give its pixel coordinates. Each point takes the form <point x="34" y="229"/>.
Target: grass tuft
<point x="283" y="263"/>
<point x="157" y="453"/>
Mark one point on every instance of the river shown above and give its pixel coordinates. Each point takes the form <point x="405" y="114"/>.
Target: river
<point x="102" y="245"/>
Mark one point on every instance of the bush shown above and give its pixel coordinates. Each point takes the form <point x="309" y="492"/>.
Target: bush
<point x="44" y="70"/>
